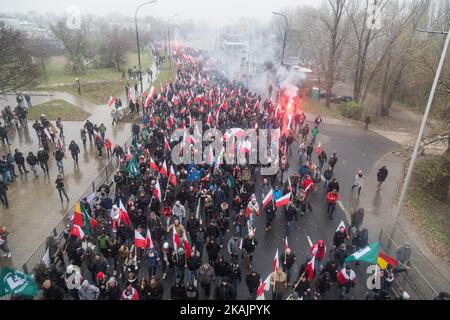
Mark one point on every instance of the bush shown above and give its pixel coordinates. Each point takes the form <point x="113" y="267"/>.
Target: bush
<point x="353" y="110"/>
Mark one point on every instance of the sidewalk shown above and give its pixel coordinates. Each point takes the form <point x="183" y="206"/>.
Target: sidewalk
<point x="35" y="207"/>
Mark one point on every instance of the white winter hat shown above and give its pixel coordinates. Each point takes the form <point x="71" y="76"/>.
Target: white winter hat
<point x="166" y="245"/>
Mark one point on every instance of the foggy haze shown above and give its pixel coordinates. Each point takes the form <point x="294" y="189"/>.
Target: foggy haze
<point x="211" y="11"/>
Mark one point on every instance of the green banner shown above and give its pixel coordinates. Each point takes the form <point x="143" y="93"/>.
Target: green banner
<point x="17" y="283"/>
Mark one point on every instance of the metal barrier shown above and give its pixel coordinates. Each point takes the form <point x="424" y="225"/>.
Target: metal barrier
<point x="412" y="281"/>
<point x="104" y="176"/>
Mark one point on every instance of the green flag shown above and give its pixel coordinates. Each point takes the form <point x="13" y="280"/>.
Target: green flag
<point x="368" y="254"/>
<point x="133" y="167"/>
<point x="17" y="283"/>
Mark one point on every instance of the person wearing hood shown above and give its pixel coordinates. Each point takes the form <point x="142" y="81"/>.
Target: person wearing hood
<point x="74" y="151"/>
<point x="130" y="293"/>
<point x="73" y="280"/>
<point x="32" y="161"/>
<point x="381" y="176"/>
<point x="265" y="188"/>
<point x="112" y="291"/>
<point x="179" y="211"/>
<point x="323" y="285"/>
<point x="252" y="280"/>
<point x="249" y="245"/>
<point x="403" y="254"/>
<point x="318" y="250"/>
<point x="233" y="246"/>
<point x="88" y="291"/>
<point x="199" y="240"/>
<point x="20" y="161"/>
<point x="178" y="290"/>
<point x="212" y="248"/>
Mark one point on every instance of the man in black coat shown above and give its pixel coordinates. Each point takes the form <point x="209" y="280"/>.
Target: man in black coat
<point x="252" y="280"/>
<point x="381" y="176"/>
<point x="51" y="291"/>
<point x="224" y="291"/>
<point x="43" y="157"/>
<point x="20" y="161"/>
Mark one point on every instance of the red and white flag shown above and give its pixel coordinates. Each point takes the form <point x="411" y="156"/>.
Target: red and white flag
<point x="172" y="177"/>
<point x="310" y="268"/>
<point x="286" y="245"/>
<point x="163" y="169"/>
<point x="283" y="201"/>
<point x="148" y="240"/>
<point x="246" y="146"/>
<point x="268" y="198"/>
<point x="157" y="191"/>
<point x="187" y="248"/>
<point x="123" y="214"/>
<point x="153" y="165"/>
<point x="150" y="96"/>
<point x="276" y="261"/>
<point x="175" y="239"/>
<point x="264" y="286"/>
<point x="139" y="240"/>
<point x="166" y="144"/>
<point x="77" y="232"/>
<point x="111" y="101"/>
<point x="209" y="121"/>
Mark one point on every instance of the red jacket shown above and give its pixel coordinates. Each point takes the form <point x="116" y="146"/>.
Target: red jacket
<point x="307" y="183"/>
<point x="332" y="198"/>
<point x="318" y="251"/>
<point x="344" y="279"/>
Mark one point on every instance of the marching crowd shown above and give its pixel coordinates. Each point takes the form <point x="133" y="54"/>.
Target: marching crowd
<point x="190" y="228"/>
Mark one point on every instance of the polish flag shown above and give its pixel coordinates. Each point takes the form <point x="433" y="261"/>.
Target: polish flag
<point x="276" y="261"/>
<point x="148" y="240"/>
<point x="209" y="121"/>
<point x="286" y="245"/>
<point x="210" y="156"/>
<point x="318" y="148"/>
<point x="264" y="286"/>
<point x="175" y="101"/>
<point x="310" y="268"/>
<point x="172" y="177"/>
<point x="166" y="144"/>
<point x="139" y="240"/>
<point x="175" y="239"/>
<point x="283" y="201"/>
<point x="218" y="112"/>
<point x="187" y="248"/>
<point x="163" y="169"/>
<point x="77" y="232"/>
<point x="268" y="198"/>
<point x="256" y="106"/>
<point x="153" y="165"/>
<point x="241" y="243"/>
<point x="123" y="214"/>
<point x="157" y="190"/>
<point x="111" y="101"/>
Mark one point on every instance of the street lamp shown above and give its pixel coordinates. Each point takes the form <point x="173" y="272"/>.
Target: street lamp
<point x="285" y="34"/>
<point x="137" y="40"/>
<point x="422" y="130"/>
<point x="168" y="36"/>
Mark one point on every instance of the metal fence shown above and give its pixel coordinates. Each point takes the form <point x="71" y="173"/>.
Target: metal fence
<point x="104" y="176"/>
<point x="412" y="281"/>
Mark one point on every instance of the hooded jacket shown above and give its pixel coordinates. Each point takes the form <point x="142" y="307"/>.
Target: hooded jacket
<point x="88" y="291"/>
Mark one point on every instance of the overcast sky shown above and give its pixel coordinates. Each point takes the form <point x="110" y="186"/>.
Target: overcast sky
<point x="218" y="11"/>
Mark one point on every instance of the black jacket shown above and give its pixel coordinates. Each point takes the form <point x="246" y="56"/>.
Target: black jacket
<point x="155" y="293"/>
<point x="212" y="248"/>
<point x="18" y="158"/>
<point x="252" y="281"/>
<point x="55" y="292"/>
<point x="249" y="244"/>
<point x="382" y="174"/>
<point x="42" y="156"/>
<point x="224" y="292"/>
<point x="194" y="263"/>
<point x="178" y="292"/>
<point x="32" y="160"/>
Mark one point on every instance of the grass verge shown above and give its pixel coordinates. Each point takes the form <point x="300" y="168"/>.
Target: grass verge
<point x="429" y="214"/>
<point x="55" y="109"/>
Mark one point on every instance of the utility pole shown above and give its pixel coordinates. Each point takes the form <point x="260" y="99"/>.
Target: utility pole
<point x="137" y="40"/>
<point x="397" y="211"/>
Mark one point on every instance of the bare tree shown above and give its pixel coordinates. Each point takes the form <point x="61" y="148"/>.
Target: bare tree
<point x="333" y="20"/>
<point x="18" y="68"/>
<point x="115" y="45"/>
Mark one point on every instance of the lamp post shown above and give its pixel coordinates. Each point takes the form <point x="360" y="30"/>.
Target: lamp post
<point x="168" y="36"/>
<point x="137" y="39"/>
<point x="397" y="211"/>
<point x="285" y="34"/>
